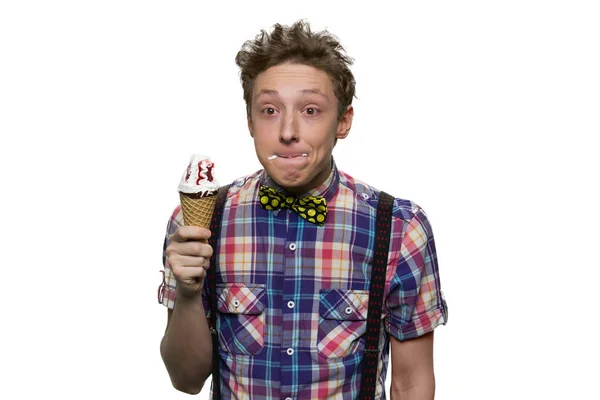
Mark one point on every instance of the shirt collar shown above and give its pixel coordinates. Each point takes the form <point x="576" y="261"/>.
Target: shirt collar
<point x="327" y="189"/>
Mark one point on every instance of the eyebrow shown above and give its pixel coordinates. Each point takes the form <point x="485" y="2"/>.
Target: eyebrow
<point x="303" y="91"/>
<point x="314" y="91"/>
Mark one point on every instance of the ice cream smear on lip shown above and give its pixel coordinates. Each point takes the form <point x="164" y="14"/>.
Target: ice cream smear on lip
<point x="199" y="177"/>
<point x="274" y="156"/>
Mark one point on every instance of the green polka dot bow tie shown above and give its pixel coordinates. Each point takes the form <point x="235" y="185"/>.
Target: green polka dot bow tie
<point x="311" y="208"/>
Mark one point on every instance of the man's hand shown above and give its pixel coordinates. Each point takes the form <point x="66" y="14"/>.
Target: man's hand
<point x="189" y="257"/>
<point x="186" y="347"/>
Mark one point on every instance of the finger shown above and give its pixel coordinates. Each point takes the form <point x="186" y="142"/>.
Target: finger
<point x="186" y="233"/>
<point x="180" y="261"/>
<point x="189" y="273"/>
<point x="191" y="248"/>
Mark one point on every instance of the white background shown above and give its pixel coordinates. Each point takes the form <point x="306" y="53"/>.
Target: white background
<point x="485" y="113"/>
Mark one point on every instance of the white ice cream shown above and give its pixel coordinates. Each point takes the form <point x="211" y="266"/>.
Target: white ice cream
<point x="199" y="177"/>
<point x="274" y="156"/>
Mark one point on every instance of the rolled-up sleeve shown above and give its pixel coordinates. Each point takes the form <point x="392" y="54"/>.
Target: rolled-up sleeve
<point x="415" y="303"/>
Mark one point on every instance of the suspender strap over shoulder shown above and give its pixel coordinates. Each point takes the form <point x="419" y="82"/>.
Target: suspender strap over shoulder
<point x="370" y="361"/>
<point x="215" y="229"/>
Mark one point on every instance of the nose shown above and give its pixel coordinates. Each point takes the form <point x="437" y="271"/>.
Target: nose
<point x="289" y="129"/>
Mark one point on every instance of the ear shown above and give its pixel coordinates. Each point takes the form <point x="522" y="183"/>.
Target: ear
<point x="250" y="128"/>
<point x="344" y="125"/>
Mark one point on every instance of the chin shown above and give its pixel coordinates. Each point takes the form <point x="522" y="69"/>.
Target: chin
<point x="290" y="180"/>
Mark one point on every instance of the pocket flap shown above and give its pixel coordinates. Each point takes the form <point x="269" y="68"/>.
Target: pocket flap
<point x="239" y="298"/>
<point x="347" y="305"/>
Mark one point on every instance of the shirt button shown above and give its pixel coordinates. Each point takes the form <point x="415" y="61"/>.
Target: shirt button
<point x="365" y="196"/>
<point x="236" y="303"/>
<point x="292" y="246"/>
<point x="290" y="304"/>
<point x="288" y="398"/>
<point x="290" y="352"/>
<point x="348" y="310"/>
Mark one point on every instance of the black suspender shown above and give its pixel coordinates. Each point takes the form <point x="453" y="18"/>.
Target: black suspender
<point x="215" y="228"/>
<point x="383" y="229"/>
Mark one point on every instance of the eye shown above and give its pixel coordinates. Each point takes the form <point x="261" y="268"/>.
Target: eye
<point x="269" y="111"/>
<point x="311" y="111"/>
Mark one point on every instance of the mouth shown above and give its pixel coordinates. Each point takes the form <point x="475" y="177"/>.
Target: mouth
<point x="288" y="156"/>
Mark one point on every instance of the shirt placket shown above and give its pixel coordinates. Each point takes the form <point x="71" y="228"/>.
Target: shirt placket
<point x="290" y="310"/>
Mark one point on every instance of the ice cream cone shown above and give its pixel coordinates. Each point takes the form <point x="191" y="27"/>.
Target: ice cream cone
<point x="197" y="210"/>
<point x="198" y="191"/>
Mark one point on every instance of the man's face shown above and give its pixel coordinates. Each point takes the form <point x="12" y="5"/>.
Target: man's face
<point x="294" y="125"/>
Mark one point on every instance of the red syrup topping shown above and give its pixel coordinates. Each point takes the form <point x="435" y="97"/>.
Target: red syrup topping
<point x="209" y="173"/>
<point x="209" y="168"/>
<point x="199" y="173"/>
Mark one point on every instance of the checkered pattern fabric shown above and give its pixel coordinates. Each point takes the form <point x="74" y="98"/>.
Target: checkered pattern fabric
<point x="293" y="296"/>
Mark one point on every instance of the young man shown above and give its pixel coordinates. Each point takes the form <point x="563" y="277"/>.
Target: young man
<point x="292" y="286"/>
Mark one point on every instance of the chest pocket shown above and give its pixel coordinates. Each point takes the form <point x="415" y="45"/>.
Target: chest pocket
<point x="241" y="317"/>
<point x="342" y="321"/>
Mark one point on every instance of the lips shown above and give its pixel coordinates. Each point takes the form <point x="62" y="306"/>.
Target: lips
<point x="287" y="155"/>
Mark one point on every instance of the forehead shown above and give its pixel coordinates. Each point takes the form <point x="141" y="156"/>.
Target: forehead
<point x="293" y="78"/>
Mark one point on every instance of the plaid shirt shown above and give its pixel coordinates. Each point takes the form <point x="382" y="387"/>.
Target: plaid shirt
<point x="293" y="296"/>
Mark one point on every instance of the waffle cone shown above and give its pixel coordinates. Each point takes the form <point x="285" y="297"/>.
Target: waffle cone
<point x="197" y="211"/>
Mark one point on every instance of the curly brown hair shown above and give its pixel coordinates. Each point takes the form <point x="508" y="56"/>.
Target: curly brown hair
<point x="297" y="44"/>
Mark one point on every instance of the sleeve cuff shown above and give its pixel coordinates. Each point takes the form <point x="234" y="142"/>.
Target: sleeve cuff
<point x="420" y="324"/>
